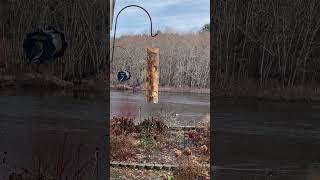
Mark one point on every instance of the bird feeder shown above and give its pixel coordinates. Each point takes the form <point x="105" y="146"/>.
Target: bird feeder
<point x="152" y="75"/>
<point x="152" y="70"/>
<point x="44" y="45"/>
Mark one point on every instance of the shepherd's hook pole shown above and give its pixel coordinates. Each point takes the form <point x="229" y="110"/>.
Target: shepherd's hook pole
<point x="115" y="26"/>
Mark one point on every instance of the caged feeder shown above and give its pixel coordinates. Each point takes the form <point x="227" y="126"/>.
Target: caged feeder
<point x="123" y="75"/>
<point x="152" y="70"/>
<point x="44" y="45"/>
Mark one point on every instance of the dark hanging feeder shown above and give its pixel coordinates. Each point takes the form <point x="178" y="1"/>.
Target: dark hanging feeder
<point x="124" y="76"/>
<point x="44" y="45"/>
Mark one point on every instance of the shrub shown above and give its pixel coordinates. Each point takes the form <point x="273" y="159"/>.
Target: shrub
<point x="152" y="128"/>
<point x="148" y="142"/>
<point x="122" y="125"/>
<point x="188" y="168"/>
<point x="122" y="147"/>
<point x="198" y="137"/>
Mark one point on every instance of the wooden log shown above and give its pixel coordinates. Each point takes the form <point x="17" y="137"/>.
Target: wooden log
<point x="152" y="75"/>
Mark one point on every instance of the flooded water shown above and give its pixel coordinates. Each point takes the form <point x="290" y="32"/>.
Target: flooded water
<point x="34" y="123"/>
<point x="253" y="139"/>
<point x="35" y="126"/>
<point x="186" y="108"/>
<point x="266" y="140"/>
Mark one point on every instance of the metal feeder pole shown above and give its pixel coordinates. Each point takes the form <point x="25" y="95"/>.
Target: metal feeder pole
<point x="152" y="74"/>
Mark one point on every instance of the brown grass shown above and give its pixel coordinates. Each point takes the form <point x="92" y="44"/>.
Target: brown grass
<point x="123" y="147"/>
<point x="266" y="41"/>
<point x="184" y="59"/>
<point x="190" y="168"/>
<point x="85" y="24"/>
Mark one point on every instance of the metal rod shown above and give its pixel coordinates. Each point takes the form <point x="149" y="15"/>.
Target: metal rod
<point x="115" y="26"/>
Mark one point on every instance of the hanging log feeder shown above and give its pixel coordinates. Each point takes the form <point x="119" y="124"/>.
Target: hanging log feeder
<point x="152" y="72"/>
<point x="152" y="75"/>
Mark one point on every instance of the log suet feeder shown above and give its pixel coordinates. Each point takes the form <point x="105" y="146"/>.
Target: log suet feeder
<point x="152" y="70"/>
<point x="152" y="75"/>
<point x="44" y="45"/>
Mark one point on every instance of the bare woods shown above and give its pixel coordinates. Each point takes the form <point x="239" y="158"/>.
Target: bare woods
<point x="270" y="43"/>
<point x="184" y="58"/>
<point x="85" y="24"/>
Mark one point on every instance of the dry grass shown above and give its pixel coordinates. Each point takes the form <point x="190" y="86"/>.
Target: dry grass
<point x="137" y="174"/>
<point x="184" y="59"/>
<point x="85" y="24"/>
<point x="123" y="147"/>
<point x="266" y="41"/>
<point x="190" y="167"/>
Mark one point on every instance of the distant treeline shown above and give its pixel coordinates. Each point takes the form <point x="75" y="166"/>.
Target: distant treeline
<point x="85" y="24"/>
<point x="270" y="42"/>
<point x="184" y="58"/>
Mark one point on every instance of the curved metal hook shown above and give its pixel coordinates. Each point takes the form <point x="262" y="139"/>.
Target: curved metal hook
<point x="115" y="26"/>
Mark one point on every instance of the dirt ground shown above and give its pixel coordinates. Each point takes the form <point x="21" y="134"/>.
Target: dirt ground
<point x="127" y="173"/>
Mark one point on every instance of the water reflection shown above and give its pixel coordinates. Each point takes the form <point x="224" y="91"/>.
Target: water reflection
<point x="251" y="137"/>
<point x="186" y="107"/>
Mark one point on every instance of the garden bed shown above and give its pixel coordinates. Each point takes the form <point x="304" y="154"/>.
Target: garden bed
<point x="151" y="144"/>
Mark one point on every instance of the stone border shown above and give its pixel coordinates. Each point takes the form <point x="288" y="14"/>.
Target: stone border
<point x="185" y="128"/>
<point x="147" y="166"/>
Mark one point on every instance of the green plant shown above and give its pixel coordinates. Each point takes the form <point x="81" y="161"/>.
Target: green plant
<point x="168" y="177"/>
<point x="205" y="28"/>
<point x="148" y="142"/>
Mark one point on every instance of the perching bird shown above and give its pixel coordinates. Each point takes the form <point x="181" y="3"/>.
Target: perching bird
<point x="44" y="45"/>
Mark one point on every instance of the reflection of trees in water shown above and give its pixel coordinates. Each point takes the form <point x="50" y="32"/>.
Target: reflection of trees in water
<point x="313" y="173"/>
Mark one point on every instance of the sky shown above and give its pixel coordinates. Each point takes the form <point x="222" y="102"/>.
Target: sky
<point x="175" y="15"/>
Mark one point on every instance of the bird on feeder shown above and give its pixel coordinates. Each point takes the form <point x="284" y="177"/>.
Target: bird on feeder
<point x="44" y="45"/>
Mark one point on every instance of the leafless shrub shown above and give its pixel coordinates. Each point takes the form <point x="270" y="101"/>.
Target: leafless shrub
<point x="266" y="41"/>
<point x="123" y="147"/>
<point x="190" y="168"/>
<point x="184" y="59"/>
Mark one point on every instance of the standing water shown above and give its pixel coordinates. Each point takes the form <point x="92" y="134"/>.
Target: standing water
<point x="265" y="140"/>
<point x="33" y="124"/>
